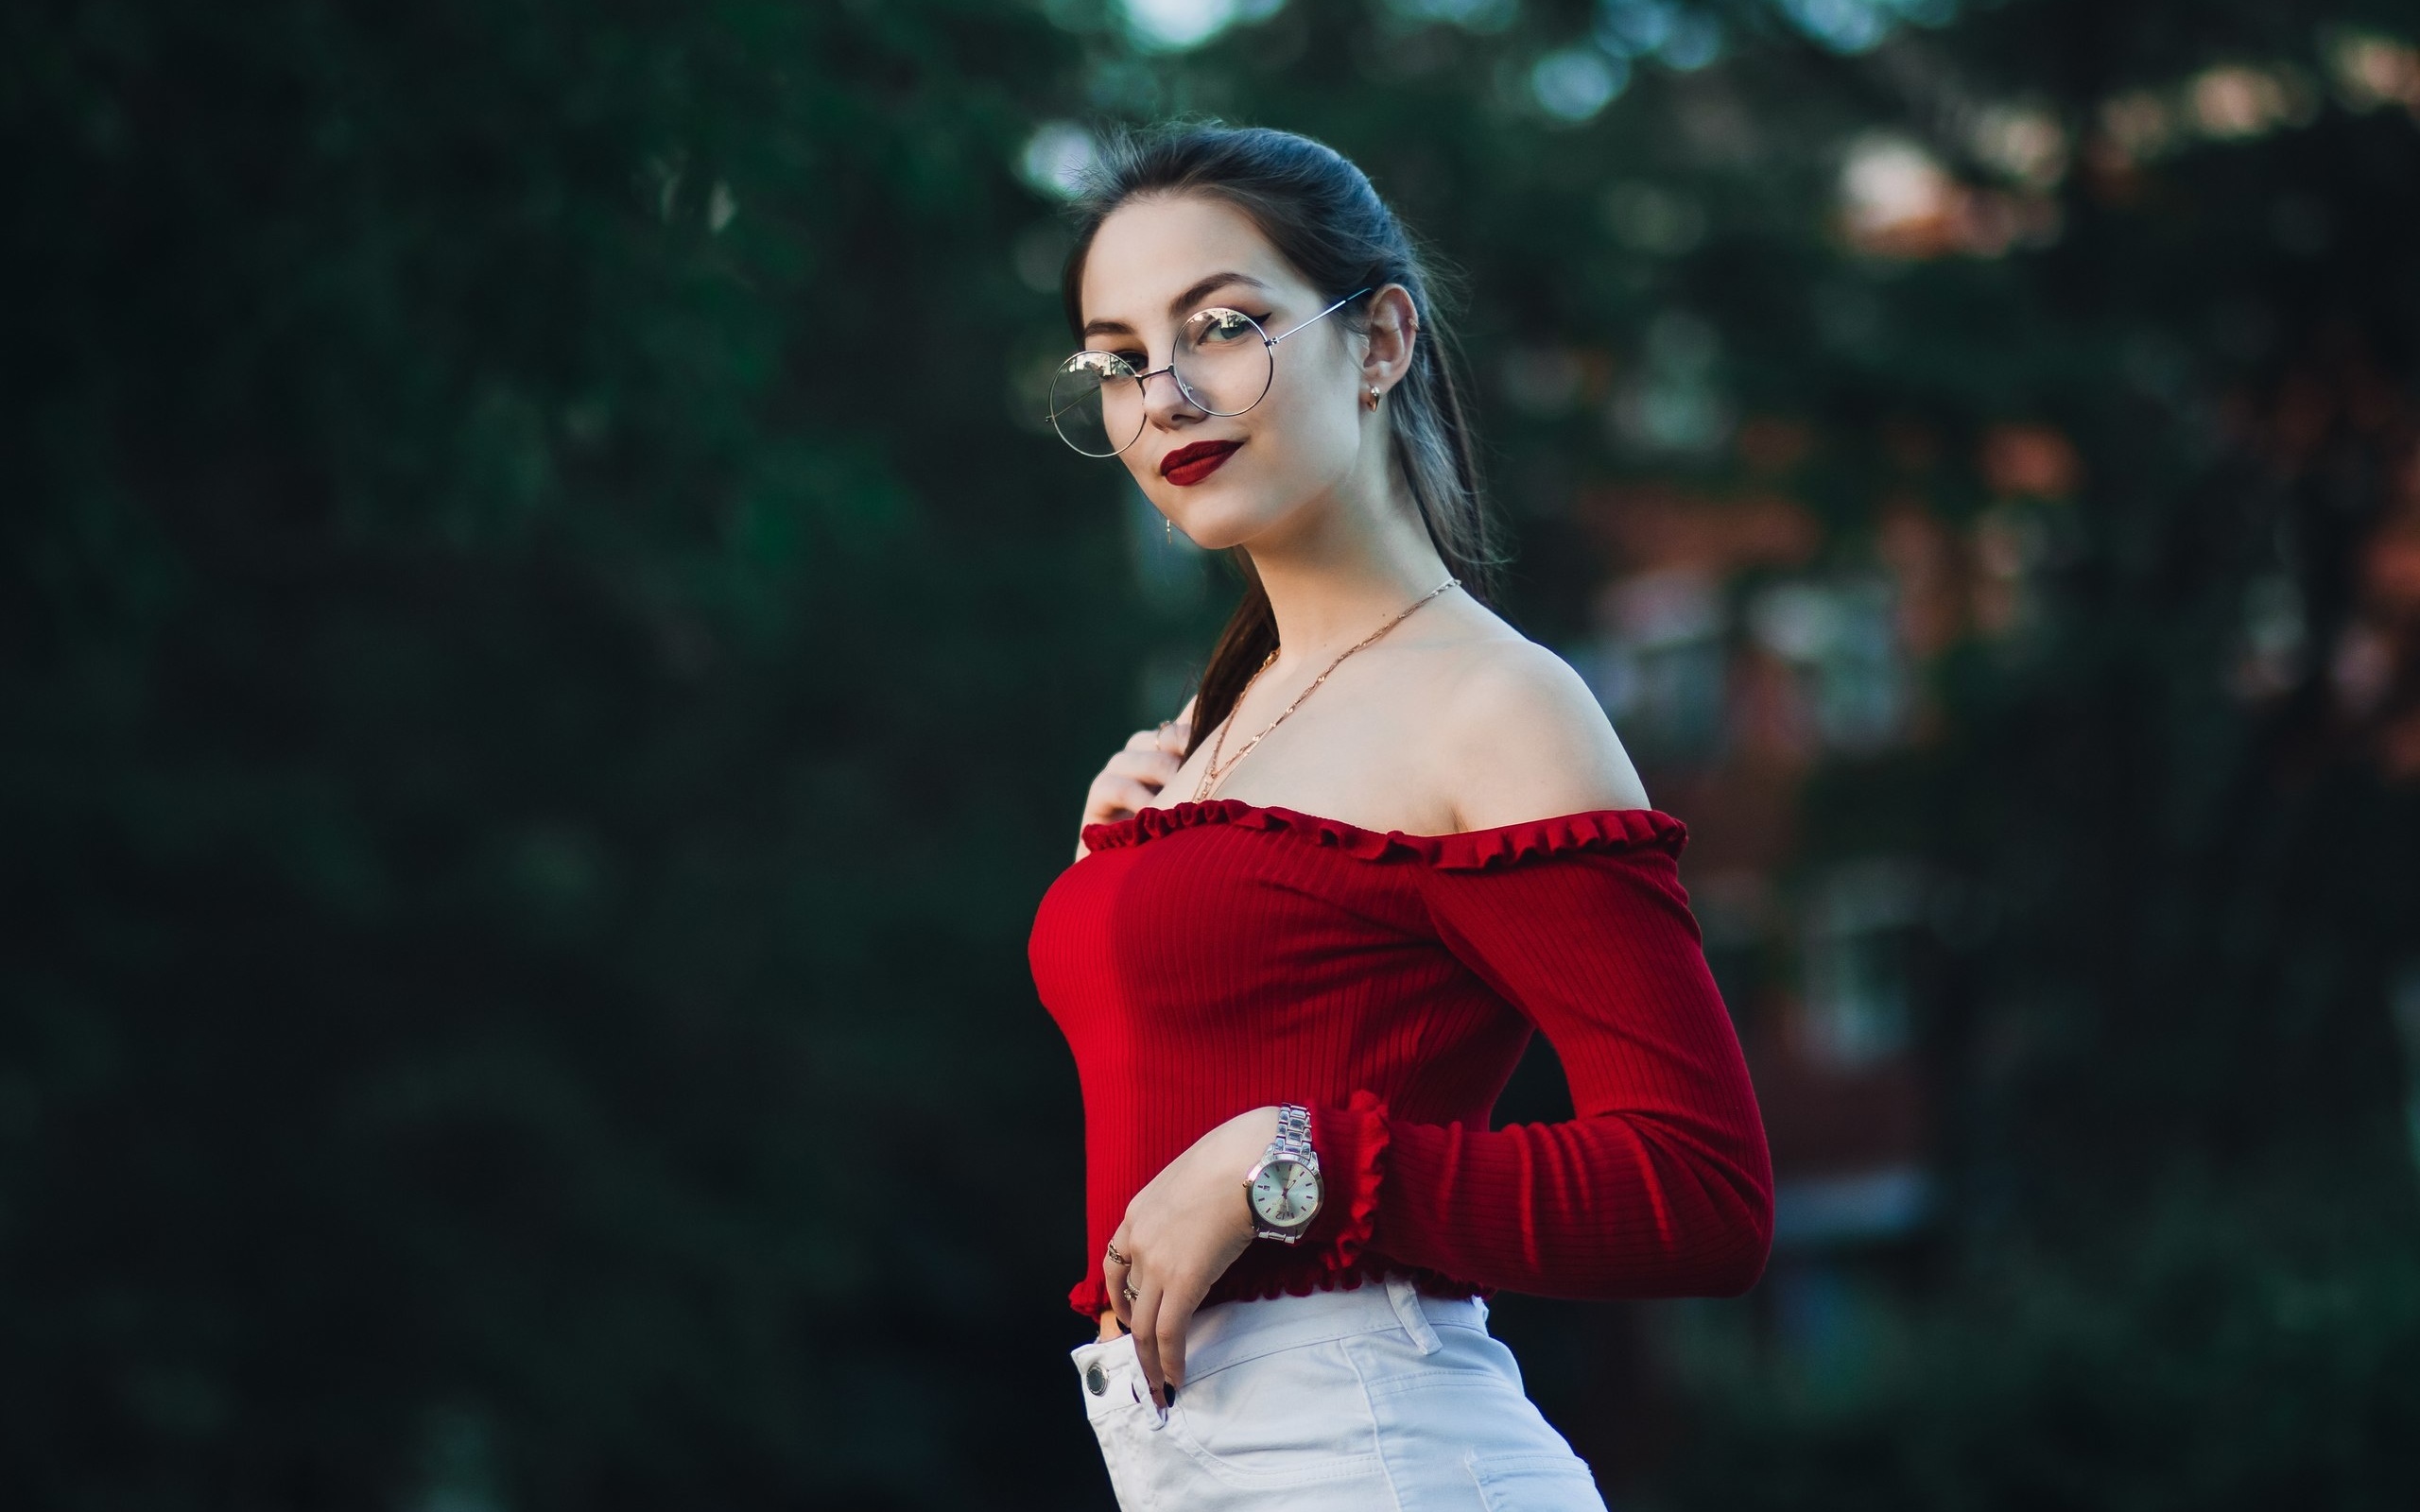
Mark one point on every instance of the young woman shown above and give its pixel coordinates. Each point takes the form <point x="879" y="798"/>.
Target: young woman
<point x="1314" y="920"/>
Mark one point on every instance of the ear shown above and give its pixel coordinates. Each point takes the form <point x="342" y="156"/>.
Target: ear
<point x="1395" y="323"/>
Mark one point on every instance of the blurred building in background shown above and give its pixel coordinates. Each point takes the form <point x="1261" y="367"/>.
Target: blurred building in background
<point x="1739" y="651"/>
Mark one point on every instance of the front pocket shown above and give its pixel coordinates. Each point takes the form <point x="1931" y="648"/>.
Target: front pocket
<point x="1536" y="1483"/>
<point x="1294" y="1416"/>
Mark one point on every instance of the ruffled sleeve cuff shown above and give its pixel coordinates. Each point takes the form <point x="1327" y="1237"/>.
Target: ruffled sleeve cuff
<point x="1351" y="1142"/>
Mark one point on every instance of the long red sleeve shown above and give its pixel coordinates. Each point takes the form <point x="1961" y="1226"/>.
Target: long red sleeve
<point x="1661" y="1184"/>
<point x="1207" y="958"/>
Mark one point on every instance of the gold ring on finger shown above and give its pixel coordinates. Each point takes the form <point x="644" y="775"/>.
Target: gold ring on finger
<point x="1131" y="1293"/>
<point x="1115" y="1256"/>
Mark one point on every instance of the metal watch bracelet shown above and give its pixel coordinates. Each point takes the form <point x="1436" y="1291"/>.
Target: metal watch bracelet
<point x="1292" y="1142"/>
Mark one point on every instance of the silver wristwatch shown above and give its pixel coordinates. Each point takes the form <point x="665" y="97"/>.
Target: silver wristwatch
<point x="1283" y="1188"/>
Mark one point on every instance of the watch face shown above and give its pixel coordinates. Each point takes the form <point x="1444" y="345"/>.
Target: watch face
<point x="1286" y="1194"/>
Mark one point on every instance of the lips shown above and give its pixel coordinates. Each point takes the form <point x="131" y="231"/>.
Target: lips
<point x="1188" y="465"/>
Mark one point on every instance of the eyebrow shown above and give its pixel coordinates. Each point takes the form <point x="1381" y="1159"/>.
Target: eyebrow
<point x="1178" y="305"/>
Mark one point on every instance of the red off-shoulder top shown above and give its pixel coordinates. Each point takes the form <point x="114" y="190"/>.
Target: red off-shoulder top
<point x="1207" y="958"/>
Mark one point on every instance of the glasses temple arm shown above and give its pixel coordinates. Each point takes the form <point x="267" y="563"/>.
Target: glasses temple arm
<point x="1322" y="316"/>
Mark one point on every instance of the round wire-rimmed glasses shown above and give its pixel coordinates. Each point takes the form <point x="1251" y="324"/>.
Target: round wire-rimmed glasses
<point x="1224" y="362"/>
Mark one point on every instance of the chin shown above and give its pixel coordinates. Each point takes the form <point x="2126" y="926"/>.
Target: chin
<point x="1224" y="535"/>
<point x="1210" y="527"/>
<point x="1217" y="523"/>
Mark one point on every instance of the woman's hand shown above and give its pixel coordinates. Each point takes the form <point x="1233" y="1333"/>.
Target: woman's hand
<point x="1180" y="1235"/>
<point x="1135" y="775"/>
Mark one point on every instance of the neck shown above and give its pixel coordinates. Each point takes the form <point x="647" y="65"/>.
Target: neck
<point x="1343" y="569"/>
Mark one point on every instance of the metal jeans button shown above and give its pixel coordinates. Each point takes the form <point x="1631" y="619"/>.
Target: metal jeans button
<point x="1096" y="1380"/>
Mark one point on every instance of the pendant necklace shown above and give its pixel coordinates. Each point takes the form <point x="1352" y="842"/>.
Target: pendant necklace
<point x="1213" y="773"/>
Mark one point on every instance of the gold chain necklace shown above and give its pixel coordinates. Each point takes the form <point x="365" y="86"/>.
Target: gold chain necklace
<point x="1213" y="774"/>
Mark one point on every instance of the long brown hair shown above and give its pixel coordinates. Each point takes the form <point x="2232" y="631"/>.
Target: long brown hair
<point x="1323" y="217"/>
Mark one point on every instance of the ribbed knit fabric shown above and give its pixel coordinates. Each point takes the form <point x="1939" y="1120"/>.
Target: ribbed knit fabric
<point x="1208" y="958"/>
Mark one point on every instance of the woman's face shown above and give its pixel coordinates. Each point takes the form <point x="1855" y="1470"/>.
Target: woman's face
<point x="1224" y="479"/>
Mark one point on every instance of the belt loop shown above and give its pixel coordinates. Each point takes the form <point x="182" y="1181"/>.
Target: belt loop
<point x="1406" y="1297"/>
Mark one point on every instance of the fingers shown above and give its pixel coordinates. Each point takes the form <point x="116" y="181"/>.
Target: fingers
<point x="1145" y="1326"/>
<point x="1152" y="766"/>
<point x="1157" y="1318"/>
<point x="1169" y="1320"/>
<point x="1131" y="781"/>
<point x="1171" y="736"/>
<point x="1137" y="1298"/>
<point x="1118" y="792"/>
<point x="1114" y="797"/>
<point x="1116" y="1268"/>
<point x="1136" y="776"/>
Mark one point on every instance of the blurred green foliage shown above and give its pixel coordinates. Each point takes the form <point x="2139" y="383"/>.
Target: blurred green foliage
<point x="546" y="667"/>
<point x="542" y="686"/>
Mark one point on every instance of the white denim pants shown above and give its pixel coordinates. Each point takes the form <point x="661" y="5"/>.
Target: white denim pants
<point x="1376" y="1399"/>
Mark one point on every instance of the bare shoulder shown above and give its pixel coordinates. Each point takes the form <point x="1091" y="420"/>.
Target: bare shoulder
<point x="1526" y="739"/>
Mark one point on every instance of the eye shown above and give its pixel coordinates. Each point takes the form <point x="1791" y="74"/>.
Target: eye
<point x="1102" y="364"/>
<point x="1216" y="327"/>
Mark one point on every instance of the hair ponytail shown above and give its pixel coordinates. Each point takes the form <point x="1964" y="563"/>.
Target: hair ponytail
<point x="1323" y="215"/>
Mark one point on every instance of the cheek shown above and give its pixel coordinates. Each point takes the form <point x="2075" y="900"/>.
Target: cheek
<point x="1318" y="431"/>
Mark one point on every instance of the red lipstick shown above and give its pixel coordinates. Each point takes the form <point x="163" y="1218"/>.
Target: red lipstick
<point x="1188" y="465"/>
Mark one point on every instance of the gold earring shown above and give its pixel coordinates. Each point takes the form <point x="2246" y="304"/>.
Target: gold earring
<point x="1371" y="403"/>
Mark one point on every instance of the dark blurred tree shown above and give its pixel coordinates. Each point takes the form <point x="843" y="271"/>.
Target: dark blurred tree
<point x="543" y="685"/>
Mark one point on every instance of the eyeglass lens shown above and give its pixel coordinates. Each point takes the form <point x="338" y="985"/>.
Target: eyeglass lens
<point x="1222" y="363"/>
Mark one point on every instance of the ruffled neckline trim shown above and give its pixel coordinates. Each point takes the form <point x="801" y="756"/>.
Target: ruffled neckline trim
<point x="1504" y="845"/>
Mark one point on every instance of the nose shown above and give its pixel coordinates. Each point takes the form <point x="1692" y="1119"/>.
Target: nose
<point x="1164" y="402"/>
